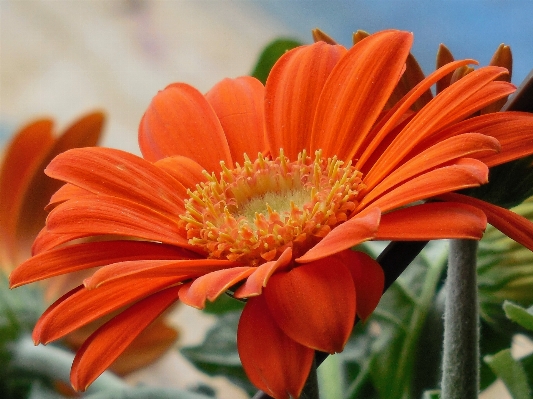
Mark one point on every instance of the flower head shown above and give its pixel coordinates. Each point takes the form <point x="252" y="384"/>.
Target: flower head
<point x="263" y="191"/>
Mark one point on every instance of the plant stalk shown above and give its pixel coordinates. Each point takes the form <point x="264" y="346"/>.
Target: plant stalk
<point x="460" y="379"/>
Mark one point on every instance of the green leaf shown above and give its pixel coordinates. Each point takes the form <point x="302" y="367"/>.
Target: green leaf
<point x="218" y="355"/>
<point x="223" y="304"/>
<point x="270" y="55"/>
<point x="518" y="314"/>
<point x="511" y="372"/>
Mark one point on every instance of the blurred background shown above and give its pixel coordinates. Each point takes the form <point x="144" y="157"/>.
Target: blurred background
<point x="62" y="58"/>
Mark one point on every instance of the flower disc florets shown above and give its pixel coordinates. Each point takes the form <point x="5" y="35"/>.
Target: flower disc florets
<point x="253" y="212"/>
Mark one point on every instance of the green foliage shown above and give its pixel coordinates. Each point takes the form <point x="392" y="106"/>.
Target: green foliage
<point x="511" y="372"/>
<point x="270" y="55"/>
<point x="217" y="355"/>
<point x="519" y="315"/>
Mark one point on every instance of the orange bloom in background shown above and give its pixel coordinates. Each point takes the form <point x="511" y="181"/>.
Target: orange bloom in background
<point x="263" y="191"/>
<point x="24" y="192"/>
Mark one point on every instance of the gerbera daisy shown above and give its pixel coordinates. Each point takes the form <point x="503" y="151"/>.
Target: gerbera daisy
<point x="263" y="191"/>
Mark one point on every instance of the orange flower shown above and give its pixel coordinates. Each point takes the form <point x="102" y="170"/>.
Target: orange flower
<point x="25" y="189"/>
<point x="328" y="166"/>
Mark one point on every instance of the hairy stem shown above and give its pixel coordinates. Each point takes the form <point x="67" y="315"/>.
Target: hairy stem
<point x="460" y="379"/>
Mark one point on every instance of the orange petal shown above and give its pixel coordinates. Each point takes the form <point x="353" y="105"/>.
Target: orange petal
<point x="114" y="216"/>
<point x="314" y="304"/>
<point x="87" y="255"/>
<point x="22" y="160"/>
<point x="186" y="171"/>
<point x="259" y="278"/>
<point x="119" y="174"/>
<point x="81" y="306"/>
<point x="453" y="104"/>
<point x="292" y="91"/>
<point x="212" y="285"/>
<point x="368" y="279"/>
<point x="461" y="174"/>
<point x="398" y="113"/>
<point x="433" y="221"/>
<point x="180" y="121"/>
<point x="272" y="361"/>
<point x="356" y="92"/>
<point x="184" y="268"/>
<point x="109" y="341"/>
<point x="239" y="105"/>
<point x="509" y="223"/>
<point x="64" y="193"/>
<point x="468" y="144"/>
<point x="360" y="228"/>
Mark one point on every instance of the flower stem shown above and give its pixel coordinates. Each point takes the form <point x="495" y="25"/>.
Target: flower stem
<point x="460" y="378"/>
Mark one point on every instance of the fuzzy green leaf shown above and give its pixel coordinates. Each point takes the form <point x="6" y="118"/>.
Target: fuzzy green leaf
<point x="511" y="372"/>
<point x="518" y="314"/>
<point x="270" y="55"/>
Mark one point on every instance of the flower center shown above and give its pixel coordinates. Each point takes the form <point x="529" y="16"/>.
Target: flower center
<point x="255" y="211"/>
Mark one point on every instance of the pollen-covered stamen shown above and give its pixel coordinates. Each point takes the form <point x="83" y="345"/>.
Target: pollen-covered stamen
<point x="253" y="212"/>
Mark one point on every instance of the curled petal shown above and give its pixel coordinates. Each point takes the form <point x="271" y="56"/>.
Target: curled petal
<point x="109" y="341"/>
<point x="212" y="285"/>
<point x="314" y="304"/>
<point x="259" y="278"/>
<point x="272" y="361"/>
<point x="360" y="228"/>
<point x="180" y="121"/>
<point x="433" y="221"/>
<point x="368" y="279"/>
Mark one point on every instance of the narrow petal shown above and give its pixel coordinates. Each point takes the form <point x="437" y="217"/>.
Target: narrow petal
<point x="398" y="112"/>
<point x="274" y="363"/>
<point x="180" y="121"/>
<point x="314" y="304"/>
<point x="183" y="268"/>
<point x="259" y="278"/>
<point x="468" y="144"/>
<point x="239" y="105"/>
<point x="106" y="171"/>
<point x="291" y="97"/>
<point x="360" y="228"/>
<point x="186" y="171"/>
<point x="368" y="279"/>
<point x="87" y="255"/>
<point x="433" y="221"/>
<point x="110" y="340"/>
<point x="81" y="306"/>
<point x="453" y="104"/>
<point x="212" y="285"/>
<point x="462" y="174"/>
<point x="356" y="92"/>
<point x="509" y="223"/>
<point x="114" y="216"/>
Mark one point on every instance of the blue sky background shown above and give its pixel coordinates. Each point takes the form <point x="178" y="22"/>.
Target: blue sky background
<point x="469" y="28"/>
